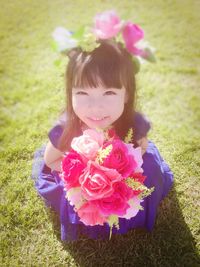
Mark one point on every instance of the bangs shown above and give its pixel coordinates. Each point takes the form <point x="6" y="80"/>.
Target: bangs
<point x="103" y="67"/>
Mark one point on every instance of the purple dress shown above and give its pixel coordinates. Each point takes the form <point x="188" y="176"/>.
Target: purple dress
<point x="50" y="187"/>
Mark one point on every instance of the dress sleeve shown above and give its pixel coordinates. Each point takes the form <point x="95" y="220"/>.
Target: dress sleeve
<point x="142" y="125"/>
<point x="55" y="134"/>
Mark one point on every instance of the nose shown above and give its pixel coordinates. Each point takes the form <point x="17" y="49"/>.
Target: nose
<point x="96" y="103"/>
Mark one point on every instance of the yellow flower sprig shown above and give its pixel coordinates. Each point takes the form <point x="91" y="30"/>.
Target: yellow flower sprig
<point x="103" y="153"/>
<point x="129" y="136"/>
<point x="138" y="186"/>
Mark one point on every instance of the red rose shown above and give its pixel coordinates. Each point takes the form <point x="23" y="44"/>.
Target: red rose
<point x="112" y="134"/>
<point x="138" y="177"/>
<point x="119" y="158"/>
<point x="72" y="167"/>
<point x="117" y="203"/>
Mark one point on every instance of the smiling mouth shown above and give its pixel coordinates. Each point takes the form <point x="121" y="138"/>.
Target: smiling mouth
<point x="96" y="119"/>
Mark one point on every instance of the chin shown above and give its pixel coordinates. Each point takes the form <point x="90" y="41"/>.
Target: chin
<point x="100" y="125"/>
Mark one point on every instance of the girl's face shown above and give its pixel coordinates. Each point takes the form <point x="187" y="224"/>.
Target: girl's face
<point x="98" y="107"/>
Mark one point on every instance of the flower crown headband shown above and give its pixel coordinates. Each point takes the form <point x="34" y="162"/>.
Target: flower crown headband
<point x="107" y="25"/>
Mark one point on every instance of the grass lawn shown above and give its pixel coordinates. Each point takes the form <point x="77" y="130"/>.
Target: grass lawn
<point x="31" y="97"/>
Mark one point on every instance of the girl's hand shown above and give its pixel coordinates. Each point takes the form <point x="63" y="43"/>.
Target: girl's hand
<point x="53" y="157"/>
<point x="143" y="143"/>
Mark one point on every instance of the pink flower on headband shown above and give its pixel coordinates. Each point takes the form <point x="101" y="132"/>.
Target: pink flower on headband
<point x="107" y="25"/>
<point x="132" y="33"/>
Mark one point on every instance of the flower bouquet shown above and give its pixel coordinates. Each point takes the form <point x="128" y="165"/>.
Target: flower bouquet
<point x="103" y="177"/>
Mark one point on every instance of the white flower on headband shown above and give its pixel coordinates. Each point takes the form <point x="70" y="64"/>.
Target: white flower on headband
<point x="63" y="39"/>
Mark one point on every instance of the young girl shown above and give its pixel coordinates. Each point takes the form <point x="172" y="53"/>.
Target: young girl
<point x="100" y="92"/>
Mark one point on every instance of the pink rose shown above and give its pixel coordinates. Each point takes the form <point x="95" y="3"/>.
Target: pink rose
<point x="90" y="215"/>
<point x="132" y="33"/>
<point x="136" y="153"/>
<point x="88" y="144"/>
<point x="72" y="167"/>
<point x="117" y="203"/>
<point x="107" y="25"/>
<point x="119" y="158"/>
<point x="97" y="181"/>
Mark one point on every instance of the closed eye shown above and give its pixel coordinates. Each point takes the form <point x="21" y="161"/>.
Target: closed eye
<point x="109" y="93"/>
<point x="81" y="93"/>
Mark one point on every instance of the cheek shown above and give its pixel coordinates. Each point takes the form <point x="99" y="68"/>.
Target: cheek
<point x="117" y="106"/>
<point x="119" y="109"/>
<point x="78" y="104"/>
<point x="115" y="110"/>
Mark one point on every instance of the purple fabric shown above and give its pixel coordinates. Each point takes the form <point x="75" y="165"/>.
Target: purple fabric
<point x="50" y="187"/>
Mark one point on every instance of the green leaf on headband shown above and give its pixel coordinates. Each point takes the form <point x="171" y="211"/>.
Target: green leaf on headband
<point x="120" y="39"/>
<point x="149" y="56"/>
<point x="79" y="33"/>
<point x="88" y="42"/>
<point x="136" y="64"/>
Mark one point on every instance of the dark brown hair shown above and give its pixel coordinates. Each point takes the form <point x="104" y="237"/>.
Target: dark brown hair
<point x="109" y="64"/>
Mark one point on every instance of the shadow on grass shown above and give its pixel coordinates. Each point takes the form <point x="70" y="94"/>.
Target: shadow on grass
<point x="169" y="244"/>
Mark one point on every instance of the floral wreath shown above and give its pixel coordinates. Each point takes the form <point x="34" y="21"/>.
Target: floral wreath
<point x="107" y="25"/>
